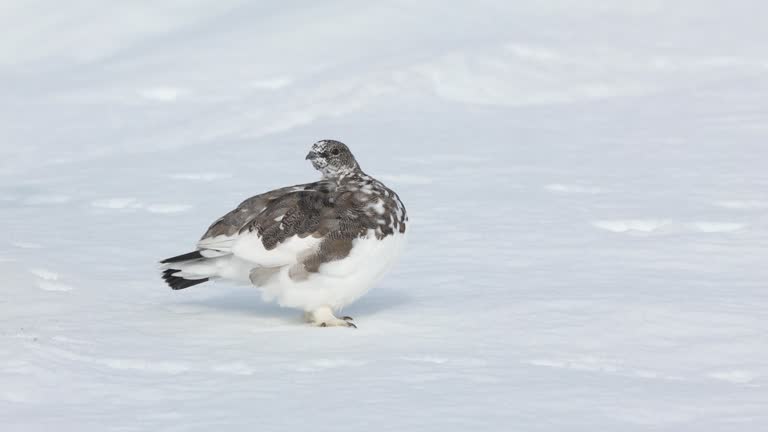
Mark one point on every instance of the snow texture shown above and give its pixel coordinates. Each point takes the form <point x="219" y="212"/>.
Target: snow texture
<point x="587" y="184"/>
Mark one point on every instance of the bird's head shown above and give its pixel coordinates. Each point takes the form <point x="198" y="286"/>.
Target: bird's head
<point x="332" y="158"/>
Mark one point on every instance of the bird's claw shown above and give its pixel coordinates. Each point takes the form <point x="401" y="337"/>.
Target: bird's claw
<point x="340" y="323"/>
<point x="324" y="317"/>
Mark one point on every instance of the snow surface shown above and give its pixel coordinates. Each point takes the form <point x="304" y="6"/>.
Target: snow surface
<point x="587" y="183"/>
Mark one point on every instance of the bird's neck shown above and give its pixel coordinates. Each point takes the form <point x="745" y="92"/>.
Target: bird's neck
<point x="341" y="174"/>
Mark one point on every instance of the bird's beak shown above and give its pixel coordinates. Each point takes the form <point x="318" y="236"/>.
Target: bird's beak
<point x="311" y="155"/>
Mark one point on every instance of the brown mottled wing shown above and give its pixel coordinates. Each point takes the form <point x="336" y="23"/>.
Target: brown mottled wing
<point x="298" y="213"/>
<point x="233" y="222"/>
<point x="336" y="215"/>
<point x="321" y="210"/>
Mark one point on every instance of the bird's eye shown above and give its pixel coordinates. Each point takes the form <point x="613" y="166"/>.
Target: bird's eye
<point x="335" y="152"/>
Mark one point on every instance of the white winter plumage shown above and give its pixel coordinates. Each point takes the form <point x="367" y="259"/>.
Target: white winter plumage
<point x="336" y="284"/>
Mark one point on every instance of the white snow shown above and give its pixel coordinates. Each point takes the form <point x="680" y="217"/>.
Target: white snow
<point x="271" y="83"/>
<point x="202" y="176"/>
<point x="46" y="199"/>
<point x="586" y="183"/>
<point x="134" y="204"/>
<point x="641" y="225"/>
<point x="163" y="94"/>
<point x="118" y="203"/>
<point x="717" y="227"/>
<point x="168" y="208"/>
<point x="575" y="189"/>
<point x="743" y="205"/>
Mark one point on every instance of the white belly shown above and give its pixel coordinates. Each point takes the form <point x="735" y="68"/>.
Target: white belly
<point x="338" y="283"/>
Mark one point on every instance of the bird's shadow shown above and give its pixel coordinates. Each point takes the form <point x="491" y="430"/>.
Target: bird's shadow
<point x="249" y="302"/>
<point x="378" y="301"/>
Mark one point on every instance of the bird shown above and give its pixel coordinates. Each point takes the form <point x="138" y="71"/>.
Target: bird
<point x="316" y="247"/>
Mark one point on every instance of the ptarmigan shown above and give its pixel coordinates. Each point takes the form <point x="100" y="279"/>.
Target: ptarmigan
<point x="316" y="247"/>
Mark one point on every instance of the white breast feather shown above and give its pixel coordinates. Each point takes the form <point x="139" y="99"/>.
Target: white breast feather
<point x="341" y="282"/>
<point x="250" y="248"/>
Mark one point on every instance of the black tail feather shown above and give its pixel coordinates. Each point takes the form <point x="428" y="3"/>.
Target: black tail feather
<point x="177" y="283"/>
<point x="185" y="257"/>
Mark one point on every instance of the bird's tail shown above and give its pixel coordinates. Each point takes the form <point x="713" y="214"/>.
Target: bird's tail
<point x="200" y="266"/>
<point x="184" y="271"/>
